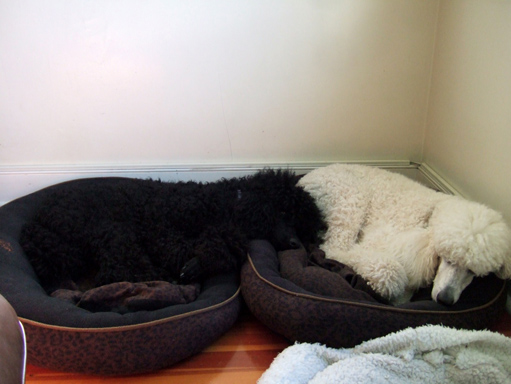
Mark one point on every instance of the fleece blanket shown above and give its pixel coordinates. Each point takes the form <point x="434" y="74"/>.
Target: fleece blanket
<point x="317" y="274"/>
<point x="428" y="354"/>
<point x="124" y="297"/>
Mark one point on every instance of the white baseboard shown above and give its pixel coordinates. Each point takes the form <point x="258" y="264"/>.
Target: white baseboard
<point x="429" y="176"/>
<point x="17" y="181"/>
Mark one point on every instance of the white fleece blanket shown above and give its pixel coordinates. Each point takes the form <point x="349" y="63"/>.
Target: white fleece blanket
<point x="428" y="354"/>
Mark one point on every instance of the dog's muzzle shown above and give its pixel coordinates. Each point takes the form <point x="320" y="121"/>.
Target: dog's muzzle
<point x="447" y="296"/>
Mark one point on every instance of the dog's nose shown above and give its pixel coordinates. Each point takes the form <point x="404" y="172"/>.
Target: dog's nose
<point x="446" y="296"/>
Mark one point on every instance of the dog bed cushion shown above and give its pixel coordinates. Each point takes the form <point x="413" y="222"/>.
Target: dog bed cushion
<point x="123" y="297"/>
<point x="344" y="320"/>
<point x="63" y="336"/>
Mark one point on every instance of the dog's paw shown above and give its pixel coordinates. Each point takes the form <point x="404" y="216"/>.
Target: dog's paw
<point x="405" y="297"/>
<point x="389" y="280"/>
<point x="191" y="271"/>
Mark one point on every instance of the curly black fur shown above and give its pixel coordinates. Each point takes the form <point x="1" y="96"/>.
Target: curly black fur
<point x="141" y="230"/>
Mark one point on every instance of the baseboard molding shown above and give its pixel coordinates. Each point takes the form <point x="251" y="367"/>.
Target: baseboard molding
<point x="431" y="177"/>
<point x="17" y="181"/>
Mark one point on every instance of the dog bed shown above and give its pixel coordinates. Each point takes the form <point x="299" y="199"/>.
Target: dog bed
<point x="62" y="336"/>
<point x="302" y="315"/>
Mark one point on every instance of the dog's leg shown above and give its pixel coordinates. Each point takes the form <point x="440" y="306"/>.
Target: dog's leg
<point x="387" y="277"/>
<point x="171" y="251"/>
<point x="215" y="251"/>
<point x="381" y="271"/>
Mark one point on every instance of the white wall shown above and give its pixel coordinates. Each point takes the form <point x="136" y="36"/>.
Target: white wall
<point x="224" y="81"/>
<point x="106" y="83"/>
<point x="468" y="137"/>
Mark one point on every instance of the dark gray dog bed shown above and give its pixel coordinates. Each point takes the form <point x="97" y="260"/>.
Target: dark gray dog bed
<point x="63" y="336"/>
<point x="347" y="318"/>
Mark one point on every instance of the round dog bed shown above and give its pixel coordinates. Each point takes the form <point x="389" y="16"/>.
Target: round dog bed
<point x="304" y="316"/>
<point x="62" y="336"/>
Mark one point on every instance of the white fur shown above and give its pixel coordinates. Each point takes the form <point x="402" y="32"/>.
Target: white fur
<point x="394" y="231"/>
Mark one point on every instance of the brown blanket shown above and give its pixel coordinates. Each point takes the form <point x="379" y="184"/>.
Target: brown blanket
<point x="313" y="272"/>
<point x="126" y="297"/>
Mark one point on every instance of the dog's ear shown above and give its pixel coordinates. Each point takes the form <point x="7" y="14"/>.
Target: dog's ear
<point x="309" y="221"/>
<point x="253" y="215"/>
<point x="505" y="270"/>
<point x="471" y="234"/>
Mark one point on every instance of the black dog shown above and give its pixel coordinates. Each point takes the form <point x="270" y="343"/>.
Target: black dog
<point x="142" y="230"/>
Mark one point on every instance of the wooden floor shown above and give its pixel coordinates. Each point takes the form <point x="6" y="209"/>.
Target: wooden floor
<point x="240" y="356"/>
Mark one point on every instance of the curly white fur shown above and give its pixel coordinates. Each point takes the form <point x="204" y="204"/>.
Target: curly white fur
<point x="394" y="232"/>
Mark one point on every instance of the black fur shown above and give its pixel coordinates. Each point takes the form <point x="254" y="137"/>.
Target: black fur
<point x="141" y="230"/>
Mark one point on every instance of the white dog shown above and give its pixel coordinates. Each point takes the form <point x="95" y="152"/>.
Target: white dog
<point x="400" y="235"/>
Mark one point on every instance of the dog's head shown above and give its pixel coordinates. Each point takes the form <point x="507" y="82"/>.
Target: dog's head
<point x="471" y="240"/>
<point x="273" y="207"/>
